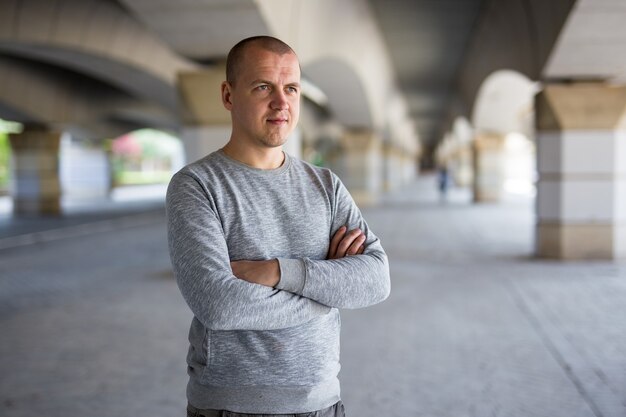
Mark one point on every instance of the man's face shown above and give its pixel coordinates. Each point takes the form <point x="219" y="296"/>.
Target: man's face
<point x="264" y="99"/>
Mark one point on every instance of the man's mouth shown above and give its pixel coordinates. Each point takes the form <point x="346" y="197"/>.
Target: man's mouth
<point x="277" y="121"/>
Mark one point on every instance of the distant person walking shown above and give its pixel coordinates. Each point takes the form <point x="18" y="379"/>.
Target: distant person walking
<point x="443" y="181"/>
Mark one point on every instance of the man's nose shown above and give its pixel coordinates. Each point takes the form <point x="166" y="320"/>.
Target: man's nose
<point x="279" y="100"/>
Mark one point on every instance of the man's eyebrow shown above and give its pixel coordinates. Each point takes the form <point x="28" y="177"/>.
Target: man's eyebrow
<point x="262" y="81"/>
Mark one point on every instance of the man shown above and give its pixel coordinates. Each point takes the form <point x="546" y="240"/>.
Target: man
<point x="265" y="249"/>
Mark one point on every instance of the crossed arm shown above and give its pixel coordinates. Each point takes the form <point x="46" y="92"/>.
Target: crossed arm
<point x="219" y="292"/>
<point x="267" y="272"/>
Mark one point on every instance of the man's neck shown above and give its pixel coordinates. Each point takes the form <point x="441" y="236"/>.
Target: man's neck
<point x="261" y="158"/>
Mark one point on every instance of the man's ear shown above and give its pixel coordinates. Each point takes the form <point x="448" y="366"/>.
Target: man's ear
<point x="226" y="95"/>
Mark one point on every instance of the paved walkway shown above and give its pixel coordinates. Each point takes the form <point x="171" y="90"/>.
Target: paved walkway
<point x="92" y="323"/>
<point x="122" y="202"/>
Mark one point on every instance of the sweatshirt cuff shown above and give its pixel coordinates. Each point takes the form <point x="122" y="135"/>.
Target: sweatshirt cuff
<point x="292" y="275"/>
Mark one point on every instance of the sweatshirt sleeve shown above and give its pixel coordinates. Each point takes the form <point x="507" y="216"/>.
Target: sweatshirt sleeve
<point x="201" y="264"/>
<point x="350" y="282"/>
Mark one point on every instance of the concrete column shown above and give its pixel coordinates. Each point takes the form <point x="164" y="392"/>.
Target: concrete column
<point x="410" y="167"/>
<point x="393" y="164"/>
<point x="488" y="161"/>
<point x="36" y="185"/>
<point x="581" y="159"/>
<point x="199" y="141"/>
<point x="293" y="146"/>
<point x="85" y="171"/>
<point x="361" y="167"/>
<point x="399" y="166"/>
<point x="461" y="164"/>
<point x="206" y="123"/>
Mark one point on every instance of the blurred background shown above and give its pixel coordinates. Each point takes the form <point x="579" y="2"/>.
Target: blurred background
<point x="484" y="140"/>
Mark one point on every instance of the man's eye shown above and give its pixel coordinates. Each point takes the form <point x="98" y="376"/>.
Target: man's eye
<point x="263" y="87"/>
<point x="292" y="90"/>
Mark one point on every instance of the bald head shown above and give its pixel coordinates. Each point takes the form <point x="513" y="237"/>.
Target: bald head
<point x="237" y="53"/>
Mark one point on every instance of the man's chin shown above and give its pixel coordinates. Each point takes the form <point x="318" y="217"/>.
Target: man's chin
<point x="274" y="142"/>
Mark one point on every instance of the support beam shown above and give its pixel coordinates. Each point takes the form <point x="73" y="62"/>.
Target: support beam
<point x="361" y="167"/>
<point x="488" y="161"/>
<point x="400" y="167"/>
<point x="461" y="165"/>
<point x="581" y="150"/>
<point x="206" y="122"/>
<point x="36" y="185"/>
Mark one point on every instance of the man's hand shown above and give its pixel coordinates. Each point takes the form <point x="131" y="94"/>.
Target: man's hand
<point x="346" y="243"/>
<point x="257" y="272"/>
<point x="267" y="272"/>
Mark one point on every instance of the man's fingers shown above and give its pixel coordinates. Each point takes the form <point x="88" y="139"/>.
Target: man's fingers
<point x="354" y="248"/>
<point x="347" y="241"/>
<point x="334" y="243"/>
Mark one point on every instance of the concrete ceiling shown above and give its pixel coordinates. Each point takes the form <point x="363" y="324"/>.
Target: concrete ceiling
<point x="223" y="22"/>
<point x="591" y="45"/>
<point x="427" y="40"/>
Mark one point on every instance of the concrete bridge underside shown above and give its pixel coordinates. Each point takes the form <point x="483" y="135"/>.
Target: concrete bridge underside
<point x="101" y="68"/>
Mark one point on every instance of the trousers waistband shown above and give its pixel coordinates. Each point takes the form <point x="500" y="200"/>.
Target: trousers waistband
<point x="194" y="412"/>
<point x="336" y="410"/>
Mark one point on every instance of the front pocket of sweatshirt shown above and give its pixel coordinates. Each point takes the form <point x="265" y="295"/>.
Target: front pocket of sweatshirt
<point x="304" y="355"/>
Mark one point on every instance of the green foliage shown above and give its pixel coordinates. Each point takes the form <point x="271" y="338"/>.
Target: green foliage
<point x="5" y="154"/>
<point x="6" y="127"/>
<point x="152" y="164"/>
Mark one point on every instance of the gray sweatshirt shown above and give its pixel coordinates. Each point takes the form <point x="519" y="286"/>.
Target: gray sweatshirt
<point x="255" y="349"/>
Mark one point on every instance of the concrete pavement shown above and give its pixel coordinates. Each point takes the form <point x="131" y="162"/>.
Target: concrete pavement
<point x="92" y="323"/>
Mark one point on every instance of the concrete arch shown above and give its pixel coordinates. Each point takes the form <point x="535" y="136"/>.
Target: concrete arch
<point x="44" y="94"/>
<point x="519" y="35"/>
<point x="504" y="104"/>
<point x="457" y="138"/>
<point x="95" y="38"/>
<point x="503" y="120"/>
<point x="462" y="129"/>
<point x="347" y="98"/>
<point x="36" y="93"/>
<point x="454" y="151"/>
